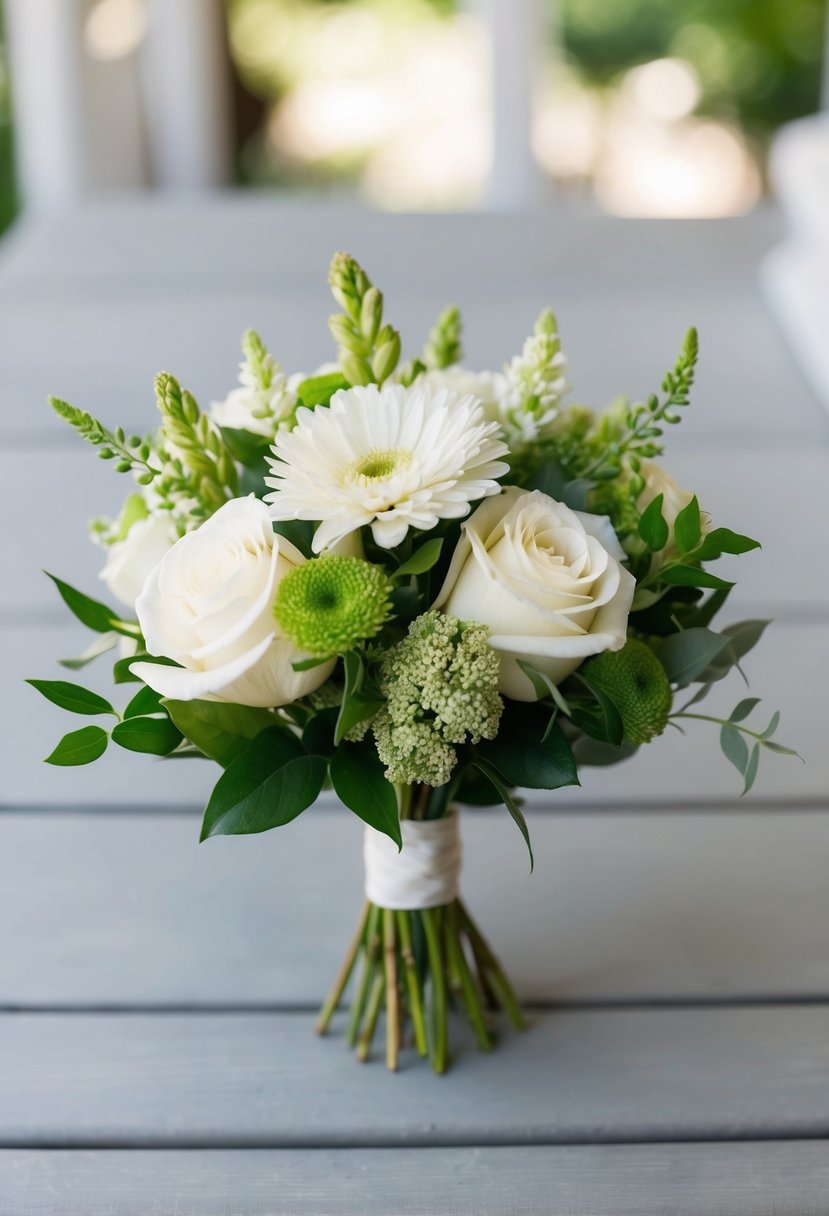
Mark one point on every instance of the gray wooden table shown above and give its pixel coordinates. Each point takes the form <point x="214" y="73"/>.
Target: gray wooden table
<point x="156" y="1052"/>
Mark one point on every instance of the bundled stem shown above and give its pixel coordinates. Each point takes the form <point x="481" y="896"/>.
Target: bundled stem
<point x="417" y="966"/>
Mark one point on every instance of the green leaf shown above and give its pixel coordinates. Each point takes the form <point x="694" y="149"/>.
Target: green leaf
<point x="734" y="748"/>
<point x="743" y="709"/>
<point x="101" y="644"/>
<point x="422" y="560"/>
<point x="772" y="726"/>
<point x="318" y="390"/>
<point x="309" y="664"/>
<point x="271" y="782"/>
<point x="598" y="754"/>
<point x="687" y="654"/>
<point x="690" y="576"/>
<point x="740" y="639"/>
<point x="688" y="527"/>
<point x="608" y="728"/>
<point x="318" y="733"/>
<point x="525" y="760"/>
<point x="92" y="613"/>
<point x="652" y="526"/>
<point x="72" y="697"/>
<point x="543" y="686"/>
<point x="751" y="768"/>
<point x="145" y="701"/>
<point x="80" y="746"/>
<point x="359" y="782"/>
<point x="780" y="749"/>
<point x="156" y="735"/>
<point x="356" y="705"/>
<point x="121" y="673"/>
<point x="505" y="794"/>
<point x="220" y="730"/>
<point x="723" y="540"/>
<point x="247" y="447"/>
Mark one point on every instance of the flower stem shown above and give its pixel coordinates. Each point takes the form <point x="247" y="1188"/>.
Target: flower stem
<point x="392" y="990"/>
<point x="412" y="983"/>
<point x="375" y="1002"/>
<point x="439" y="1020"/>
<point x="335" y="995"/>
<point x="372" y="944"/>
<point x="754" y="734"/>
<point x="489" y="963"/>
<point x="461" y="968"/>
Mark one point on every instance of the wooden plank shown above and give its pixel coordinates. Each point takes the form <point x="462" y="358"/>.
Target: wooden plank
<point x="101" y="351"/>
<point x="128" y="910"/>
<point x="263" y="1080"/>
<point x="784" y="578"/>
<point x="789" y="1178"/>
<point x="672" y="769"/>
<point x="256" y="237"/>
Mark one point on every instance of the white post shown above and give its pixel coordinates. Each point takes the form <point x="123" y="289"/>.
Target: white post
<point x="46" y="61"/>
<point x="188" y="99"/>
<point x="515" y="30"/>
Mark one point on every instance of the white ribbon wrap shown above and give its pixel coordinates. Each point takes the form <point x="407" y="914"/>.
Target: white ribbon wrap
<point x="424" y="874"/>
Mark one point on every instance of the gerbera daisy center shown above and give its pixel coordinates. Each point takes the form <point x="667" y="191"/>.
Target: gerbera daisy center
<point x="380" y="463"/>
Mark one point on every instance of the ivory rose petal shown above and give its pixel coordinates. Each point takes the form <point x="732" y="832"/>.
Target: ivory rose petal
<point x="546" y="580"/>
<point x="209" y="606"/>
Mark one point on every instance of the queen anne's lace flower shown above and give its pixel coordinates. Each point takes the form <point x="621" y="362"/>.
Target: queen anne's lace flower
<point x="441" y="688"/>
<point x="393" y="458"/>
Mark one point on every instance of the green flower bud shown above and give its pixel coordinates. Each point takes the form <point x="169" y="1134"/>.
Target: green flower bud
<point x="636" y="682"/>
<point x="355" y="369"/>
<point x="327" y="605"/>
<point x="386" y="357"/>
<point x="371" y="314"/>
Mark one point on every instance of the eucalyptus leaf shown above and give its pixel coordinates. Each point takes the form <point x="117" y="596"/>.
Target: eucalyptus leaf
<point x="73" y="697"/>
<point x="734" y="748"/>
<point x="751" y="768"/>
<point x="359" y="781"/>
<point x="688" y="654"/>
<point x="271" y="782"/>
<point x="743" y="709"/>
<point x="80" y="747"/>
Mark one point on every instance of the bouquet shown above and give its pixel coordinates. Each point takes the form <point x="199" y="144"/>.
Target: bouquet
<point x="421" y="586"/>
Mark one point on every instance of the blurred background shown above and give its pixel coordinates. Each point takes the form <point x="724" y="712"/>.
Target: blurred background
<point x="636" y="107"/>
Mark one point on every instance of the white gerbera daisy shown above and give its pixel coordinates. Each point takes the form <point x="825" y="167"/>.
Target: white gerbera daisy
<point x="395" y="458"/>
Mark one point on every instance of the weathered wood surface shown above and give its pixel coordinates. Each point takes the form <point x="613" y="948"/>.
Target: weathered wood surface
<point x="659" y="907"/>
<point x="260" y="1079"/>
<point x="784" y="1178"/>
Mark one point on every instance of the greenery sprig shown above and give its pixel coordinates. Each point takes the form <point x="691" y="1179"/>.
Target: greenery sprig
<point x="368" y="351"/>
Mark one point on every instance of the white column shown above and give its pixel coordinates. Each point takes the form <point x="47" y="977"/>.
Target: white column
<point x="516" y="31"/>
<point x="46" y="62"/>
<point x="187" y="90"/>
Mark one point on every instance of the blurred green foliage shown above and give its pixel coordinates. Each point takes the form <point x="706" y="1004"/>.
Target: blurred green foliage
<point x="8" y="197"/>
<point x="759" y="61"/>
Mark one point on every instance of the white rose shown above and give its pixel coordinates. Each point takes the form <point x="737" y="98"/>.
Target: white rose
<point x="547" y="581"/>
<point x="131" y="560"/>
<point x="209" y="605"/>
<point x="674" y="497"/>
<point x="490" y="388"/>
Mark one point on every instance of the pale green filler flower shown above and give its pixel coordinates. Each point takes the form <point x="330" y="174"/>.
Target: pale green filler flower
<point x="537" y="382"/>
<point x="441" y="688"/>
<point x="329" y="604"/>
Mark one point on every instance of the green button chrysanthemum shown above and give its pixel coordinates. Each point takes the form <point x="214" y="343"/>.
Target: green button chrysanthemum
<point x="636" y="683"/>
<point x="330" y="603"/>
